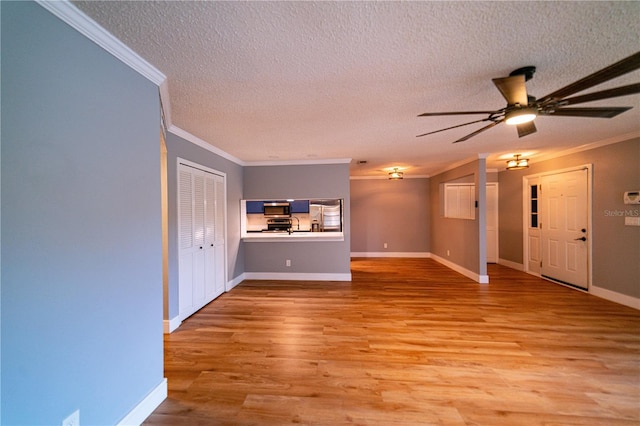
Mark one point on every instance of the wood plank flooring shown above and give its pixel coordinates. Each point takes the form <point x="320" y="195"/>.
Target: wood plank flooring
<point x="407" y="342"/>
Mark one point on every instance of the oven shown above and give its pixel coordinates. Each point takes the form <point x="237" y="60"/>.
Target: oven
<point x="278" y="225"/>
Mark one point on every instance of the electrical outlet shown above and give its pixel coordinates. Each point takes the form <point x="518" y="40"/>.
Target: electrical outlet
<point x="385" y="245"/>
<point x="448" y="253"/>
<point x="73" y="419"/>
<point x="287" y="262"/>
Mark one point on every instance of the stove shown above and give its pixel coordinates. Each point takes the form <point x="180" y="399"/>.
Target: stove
<point x="278" y="225"/>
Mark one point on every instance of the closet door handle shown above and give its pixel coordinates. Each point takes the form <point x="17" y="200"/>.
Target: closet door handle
<point x="581" y="239"/>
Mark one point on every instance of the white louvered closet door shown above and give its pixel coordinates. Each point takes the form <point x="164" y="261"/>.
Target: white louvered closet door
<point x="219" y="242"/>
<point x="201" y="251"/>
<point x="210" y="225"/>
<point x="185" y="242"/>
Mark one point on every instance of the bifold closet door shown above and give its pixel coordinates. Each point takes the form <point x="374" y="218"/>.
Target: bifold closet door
<point x="201" y="247"/>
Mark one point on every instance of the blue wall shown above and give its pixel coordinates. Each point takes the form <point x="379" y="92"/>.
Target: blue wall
<point x="81" y="243"/>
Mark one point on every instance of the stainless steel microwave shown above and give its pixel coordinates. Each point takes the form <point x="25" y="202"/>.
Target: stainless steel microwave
<point x="277" y="209"/>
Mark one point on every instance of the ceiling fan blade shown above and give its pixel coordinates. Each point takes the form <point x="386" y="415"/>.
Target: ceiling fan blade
<point x="434" y="114"/>
<point x="477" y="132"/>
<point x="513" y="89"/>
<point x="589" y="112"/>
<point x="525" y="129"/>
<point x="612" y="71"/>
<point x="452" y="127"/>
<point x="603" y="94"/>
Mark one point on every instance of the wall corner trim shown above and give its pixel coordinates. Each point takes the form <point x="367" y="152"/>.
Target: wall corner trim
<point x="170" y="325"/>
<point x="144" y="409"/>
<point x="297" y="276"/>
<point x="513" y="265"/>
<point x="481" y="279"/>
<point x="234" y="282"/>
<point x="390" y="254"/>
<point x="202" y="144"/>
<point x="78" y="20"/>
<point x="612" y="296"/>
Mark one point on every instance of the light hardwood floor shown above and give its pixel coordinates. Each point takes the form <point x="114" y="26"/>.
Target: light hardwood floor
<point x="408" y="341"/>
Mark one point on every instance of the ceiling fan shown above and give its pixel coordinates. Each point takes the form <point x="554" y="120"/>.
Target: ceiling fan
<point x="523" y="108"/>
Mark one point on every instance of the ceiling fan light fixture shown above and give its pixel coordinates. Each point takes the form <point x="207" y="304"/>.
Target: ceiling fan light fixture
<point x="520" y="116"/>
<point x="517" y="163"/>
<point x="395" y="174"/>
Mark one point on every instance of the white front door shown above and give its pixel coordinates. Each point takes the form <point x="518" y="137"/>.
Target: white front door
<point x="563" y="227"/>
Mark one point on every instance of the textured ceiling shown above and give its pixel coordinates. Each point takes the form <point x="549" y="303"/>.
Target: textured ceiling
<point x="289" y="81"/>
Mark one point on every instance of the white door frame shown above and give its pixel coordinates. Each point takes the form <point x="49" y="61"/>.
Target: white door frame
<point x="496" y="224"/>
<point x="526" y="213"/>
<point x="224" y="177"/>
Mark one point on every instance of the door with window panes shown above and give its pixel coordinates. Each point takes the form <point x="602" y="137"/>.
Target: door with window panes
<point x="534" y="261"/>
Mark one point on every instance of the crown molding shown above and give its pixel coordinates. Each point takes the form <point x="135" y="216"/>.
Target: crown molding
<point x="588" y="146"/>
<point x="72" y="16"/>
<point x="385" y="177"/>
<point x="202" y="144"/>
<point x="298" y="162"/>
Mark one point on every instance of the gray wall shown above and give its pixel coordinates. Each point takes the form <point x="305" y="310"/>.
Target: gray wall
<point x="177" y="147"/>
<point x="616" y="247"/>
<point x="81" y="247"/>
<point x="461" y="237"/>
<point x="303" y="182"/>
<point x="391" y="211"/>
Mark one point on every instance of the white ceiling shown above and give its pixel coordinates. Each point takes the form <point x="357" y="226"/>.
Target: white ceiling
<point x="290" y="81"/>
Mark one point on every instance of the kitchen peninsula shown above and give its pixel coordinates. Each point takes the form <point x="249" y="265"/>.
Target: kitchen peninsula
<point x="292" y="220"/>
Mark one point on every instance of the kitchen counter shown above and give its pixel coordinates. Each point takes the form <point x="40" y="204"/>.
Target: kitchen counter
<point x="283" y="236"/>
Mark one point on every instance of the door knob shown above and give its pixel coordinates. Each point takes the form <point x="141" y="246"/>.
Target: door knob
<point x="581" y="239"/>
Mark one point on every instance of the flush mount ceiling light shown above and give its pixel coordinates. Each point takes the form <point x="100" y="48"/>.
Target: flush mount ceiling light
<point x="520" y="116"/>
<point x="517" y="163"/>
<point x="395" y="174"/>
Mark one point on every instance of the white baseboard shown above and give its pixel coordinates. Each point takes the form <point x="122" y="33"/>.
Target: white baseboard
<point x="390" y="254"/>
<point x="171" y="324"/>
<point x="298" y="276"/>
<point x="481" y="279"/>
<point x="512" y="265"/>
<point x="234" y="282"/>
<point x="623" y="299"/>
<point x="143" y="410"/>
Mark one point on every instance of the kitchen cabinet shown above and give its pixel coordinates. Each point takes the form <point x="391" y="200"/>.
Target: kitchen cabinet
<point x="255" y="207"/>
<point x="299" y="206"/>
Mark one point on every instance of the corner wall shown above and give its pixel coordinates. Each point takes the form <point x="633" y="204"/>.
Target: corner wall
<point x="395" y="212"/>
<point x="616" y="247"/>
<point x="81" y="242"/>
<point x="460" y="243"/>
<point x="302" y="182"/>
<point x="177" y="147"/>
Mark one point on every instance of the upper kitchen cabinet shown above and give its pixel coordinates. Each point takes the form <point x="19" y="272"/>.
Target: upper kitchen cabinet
<point x="299" y="206"/>
<point x="255" y="207"/>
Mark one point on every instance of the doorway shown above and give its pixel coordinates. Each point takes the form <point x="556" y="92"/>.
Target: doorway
<point x="492" y="222"/>
<point x="557" y="227"/>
